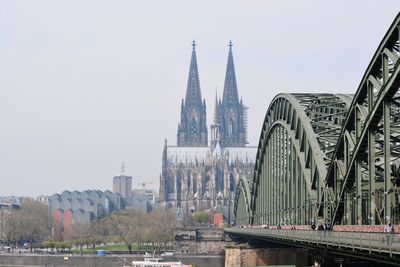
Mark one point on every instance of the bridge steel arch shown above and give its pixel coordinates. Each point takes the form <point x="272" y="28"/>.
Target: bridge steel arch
<point x="333" y="157"/>
<point x="299" y="134"/>
<point x="360" y="183"/>
<point x="242" y="212"/>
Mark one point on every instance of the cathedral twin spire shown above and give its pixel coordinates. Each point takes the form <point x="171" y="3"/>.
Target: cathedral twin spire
<point x="229" y="128"/>
<point x="230" y="96"/>
<point x="192" y="130"/>
<point x="193" y="93"/>
<point x="231" y="114"/>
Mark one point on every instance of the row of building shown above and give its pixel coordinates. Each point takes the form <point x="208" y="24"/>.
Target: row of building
<point x="69" y="208"/>
<point x="81" y="207"/>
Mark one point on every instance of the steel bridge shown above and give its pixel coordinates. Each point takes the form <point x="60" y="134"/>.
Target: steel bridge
<point x="331" y="158"/>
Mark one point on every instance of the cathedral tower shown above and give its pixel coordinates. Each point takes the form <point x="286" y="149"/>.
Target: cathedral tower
<point x="192" y="130"/>
<point x="196" y="176"/>
<point x="231" y="114"/>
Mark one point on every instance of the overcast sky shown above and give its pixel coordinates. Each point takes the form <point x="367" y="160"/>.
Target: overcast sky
<point x="85" y="85"/>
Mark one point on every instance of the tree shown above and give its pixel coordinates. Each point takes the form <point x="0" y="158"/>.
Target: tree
<point x="95" y="234"/>
<point x="104" y="227"/>
<point x="11" y="232"/>
<point x="30" y="223"/>
<point x="202" y="217"/>
<point x="161" y="227"/>
<point x="130" y="226"/>
<point x="49" y="244"/>
<point x="34" y="218"/>
<point x="80" y="235"/>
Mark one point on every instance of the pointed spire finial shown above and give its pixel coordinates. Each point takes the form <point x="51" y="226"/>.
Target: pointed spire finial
<point x="230" y="44"/>
<point x="194" y="44"/>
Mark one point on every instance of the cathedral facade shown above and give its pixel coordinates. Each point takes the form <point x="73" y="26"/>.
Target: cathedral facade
<point x="198" y="175"/>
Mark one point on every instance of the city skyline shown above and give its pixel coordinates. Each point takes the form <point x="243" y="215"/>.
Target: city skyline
<point x="85" y="86"/>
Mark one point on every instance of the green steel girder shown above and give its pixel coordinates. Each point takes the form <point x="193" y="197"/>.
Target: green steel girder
<point x="299" y="134"/>
<point x="241" y="212"/>
<point x="331" y="157"/>
<point x="365" y="163"/>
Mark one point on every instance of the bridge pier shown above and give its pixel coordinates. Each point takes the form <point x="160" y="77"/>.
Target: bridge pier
<point x="241" y="256"/>
<point x="246" y="256"/>
<point x="326" y="248"/>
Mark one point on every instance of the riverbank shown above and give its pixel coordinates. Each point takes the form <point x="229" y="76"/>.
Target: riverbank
<point x="97" y="261"/>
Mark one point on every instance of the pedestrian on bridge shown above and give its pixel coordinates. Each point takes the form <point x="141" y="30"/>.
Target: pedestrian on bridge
<point x="388" y="227"/>
<point x="389" y="230"/>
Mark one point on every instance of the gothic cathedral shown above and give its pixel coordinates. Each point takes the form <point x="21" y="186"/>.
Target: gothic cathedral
<point x="197" y="175"/>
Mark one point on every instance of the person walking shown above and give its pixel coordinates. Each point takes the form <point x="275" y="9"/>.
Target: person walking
<point x="388" y="227"/>
<point x="388" y="230"/>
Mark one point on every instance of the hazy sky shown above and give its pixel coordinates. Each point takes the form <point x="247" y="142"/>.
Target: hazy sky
<point x="85" y="85"/>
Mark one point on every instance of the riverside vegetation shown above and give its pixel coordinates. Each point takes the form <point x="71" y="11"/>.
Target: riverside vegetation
<point x="31" y="224"/>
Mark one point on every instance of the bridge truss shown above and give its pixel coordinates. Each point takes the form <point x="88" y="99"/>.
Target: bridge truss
<point x="330" y="157"/>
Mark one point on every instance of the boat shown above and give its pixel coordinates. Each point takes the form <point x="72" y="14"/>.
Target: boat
<point x="156" y="262"/>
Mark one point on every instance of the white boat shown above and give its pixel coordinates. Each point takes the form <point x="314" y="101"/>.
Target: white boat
<point x="155" y="262"/>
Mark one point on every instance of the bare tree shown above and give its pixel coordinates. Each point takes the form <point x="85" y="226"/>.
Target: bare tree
<point x="95" y="234"/>
<point x="11" y="232"/>
<point x="130" y="226"/>
<point x="30" y="223"/>
<point x="169" y="223"/>
<point x="161" y="227"/>
<point x="34" y="219"/>
<point x="80" y="235"/>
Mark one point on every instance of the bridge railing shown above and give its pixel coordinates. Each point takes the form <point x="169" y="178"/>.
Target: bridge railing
<point x="379" y="242"/>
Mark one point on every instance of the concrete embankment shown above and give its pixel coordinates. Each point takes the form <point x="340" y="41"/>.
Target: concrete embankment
<point x="246" y="257"/>
<point x="62" y="260"/>
<point x="95" y="261"/>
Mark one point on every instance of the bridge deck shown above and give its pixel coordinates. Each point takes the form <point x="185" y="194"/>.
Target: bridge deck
<point x="368" y="242"/>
